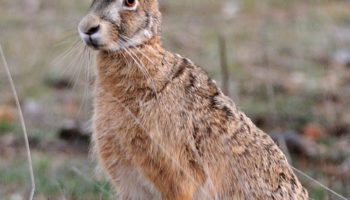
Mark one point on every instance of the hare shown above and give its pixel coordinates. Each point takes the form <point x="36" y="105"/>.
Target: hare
<point x="162" y="127"/>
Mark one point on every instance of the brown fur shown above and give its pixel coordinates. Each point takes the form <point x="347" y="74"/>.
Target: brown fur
<point x="171" y="134"/>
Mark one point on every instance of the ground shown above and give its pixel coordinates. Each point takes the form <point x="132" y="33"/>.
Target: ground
<point x="289" y="66"/>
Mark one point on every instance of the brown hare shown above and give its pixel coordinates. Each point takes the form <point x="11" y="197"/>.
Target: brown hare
<point x="162" y="127"/>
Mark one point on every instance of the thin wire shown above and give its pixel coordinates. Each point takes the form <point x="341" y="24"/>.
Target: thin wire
<point x="24" y="129"/>
<point x="319" y="183"/>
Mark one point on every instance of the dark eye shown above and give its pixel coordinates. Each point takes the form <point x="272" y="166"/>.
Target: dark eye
<point x="130" y="3"/>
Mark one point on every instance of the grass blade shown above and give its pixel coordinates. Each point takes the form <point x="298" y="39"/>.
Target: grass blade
<point x="24" y="129"/>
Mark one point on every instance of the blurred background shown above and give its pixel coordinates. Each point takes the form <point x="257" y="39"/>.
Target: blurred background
<point x="285" y="63"/>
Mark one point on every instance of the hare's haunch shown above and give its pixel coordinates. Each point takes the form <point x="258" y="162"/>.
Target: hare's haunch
<point x="162" y="127"/>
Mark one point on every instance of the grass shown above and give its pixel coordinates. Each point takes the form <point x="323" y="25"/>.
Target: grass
<point x="56" y="176"/>
<point x="7" y="126"/>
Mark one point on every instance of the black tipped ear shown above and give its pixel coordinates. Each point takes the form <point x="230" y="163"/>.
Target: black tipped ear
<point x="93" y="3"/>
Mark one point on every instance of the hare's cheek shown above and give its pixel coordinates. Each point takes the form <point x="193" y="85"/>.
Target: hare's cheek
<point x="111" y="32"/>
<point x="129" y="23"/>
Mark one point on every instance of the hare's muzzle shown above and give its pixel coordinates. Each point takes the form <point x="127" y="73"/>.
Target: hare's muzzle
<point x="90" y="30"/>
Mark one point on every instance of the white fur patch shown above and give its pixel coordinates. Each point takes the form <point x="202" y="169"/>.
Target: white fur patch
<point x="138" y="39"/>
<point x="112" y="12"/>
<point x="83" y="36"/>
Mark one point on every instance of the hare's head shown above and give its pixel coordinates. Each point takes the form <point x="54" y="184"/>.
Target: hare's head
<point x="112" y="25"/>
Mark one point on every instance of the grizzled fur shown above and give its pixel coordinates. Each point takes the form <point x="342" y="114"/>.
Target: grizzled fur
<point x="165" y="130"/>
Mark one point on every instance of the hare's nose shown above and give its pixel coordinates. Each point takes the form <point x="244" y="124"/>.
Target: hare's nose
<point x="93" y="30"/>
<point x="89" y="25"/>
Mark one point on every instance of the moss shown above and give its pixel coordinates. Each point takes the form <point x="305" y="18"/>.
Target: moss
<point x="7" y="126"/>
<point x="317" y="193"/>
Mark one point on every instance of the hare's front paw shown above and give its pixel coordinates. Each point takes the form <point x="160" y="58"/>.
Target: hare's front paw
<point x="184" y="195"/>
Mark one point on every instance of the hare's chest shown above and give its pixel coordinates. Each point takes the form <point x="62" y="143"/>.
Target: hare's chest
<point x="132" y="184"/>
<point x="114" y="125"/>
<point x="122" y="120"/>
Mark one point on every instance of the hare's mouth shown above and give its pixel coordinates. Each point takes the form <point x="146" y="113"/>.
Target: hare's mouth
<point x="93" y="43"/>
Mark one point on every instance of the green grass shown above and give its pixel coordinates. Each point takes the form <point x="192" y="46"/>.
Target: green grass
<point x="55" y="175"/>
<point x="317" y="193"/>
<point x="7" y="126"/>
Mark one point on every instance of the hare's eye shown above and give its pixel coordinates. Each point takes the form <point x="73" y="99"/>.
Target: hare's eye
<point x="130" y="3"/>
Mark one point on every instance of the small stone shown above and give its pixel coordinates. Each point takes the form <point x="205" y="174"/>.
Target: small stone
<point x="345" y="167"/>
<point x="342" y="57"/>
<point x="230" y="9"/>
<point x="32" y="107"/>
<point x="16" y="197"/>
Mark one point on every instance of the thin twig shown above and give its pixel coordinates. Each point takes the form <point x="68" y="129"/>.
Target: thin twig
<point x="24" y="129"/>
<point x="271" y="94"/>
<point x="224" y="66"/>
<point x="320" y="184"/>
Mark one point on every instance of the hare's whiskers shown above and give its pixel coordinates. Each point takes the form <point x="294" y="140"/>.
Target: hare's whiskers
<point x="87" y="80"/>
<point x="126" y="60"/>
<point x="145" y="70"/>
<point x="142" y="68"/>
<point x="76" y="45"/>
<point x="138" y="49"/>
<point x="136" y="62"/>
<point x="78" y="65"/>
<point x="68" y="67"/>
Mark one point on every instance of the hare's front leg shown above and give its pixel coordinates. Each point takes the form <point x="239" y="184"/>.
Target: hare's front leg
<point x="186" y="193"/>
<point x="174" y="175"/>
<point x="173" y="188"/>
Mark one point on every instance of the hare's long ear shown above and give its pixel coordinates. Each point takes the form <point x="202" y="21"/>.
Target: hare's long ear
<point x="153" y="15"/>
